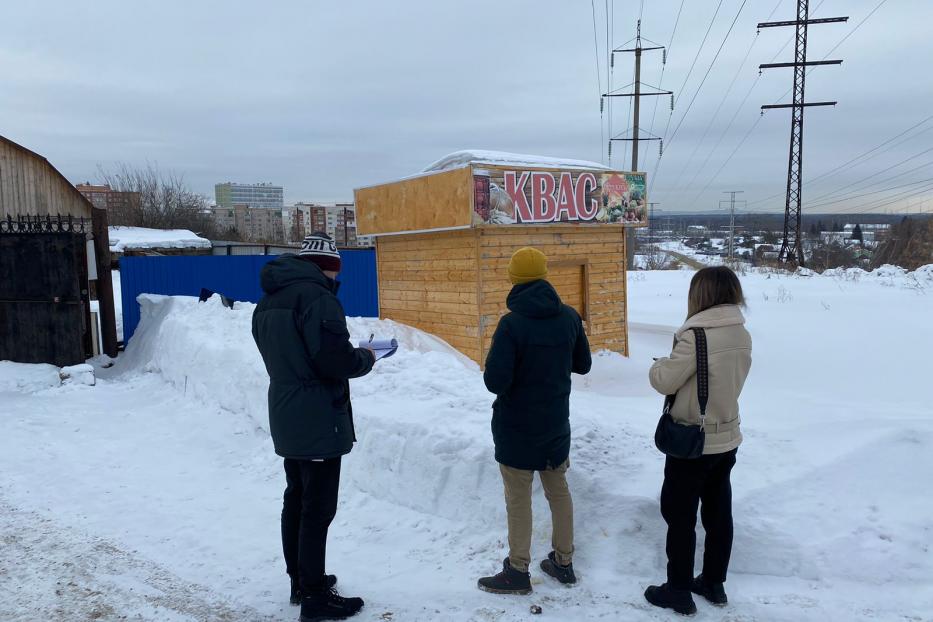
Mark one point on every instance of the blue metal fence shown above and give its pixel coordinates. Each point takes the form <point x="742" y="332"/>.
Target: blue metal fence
<point x="237" y="277"/>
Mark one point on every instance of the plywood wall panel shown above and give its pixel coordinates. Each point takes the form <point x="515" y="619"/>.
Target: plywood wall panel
<point x="434" y="201"/>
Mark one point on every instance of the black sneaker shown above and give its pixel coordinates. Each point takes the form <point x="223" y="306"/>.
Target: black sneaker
<point x="667" y="597"/>
<point x="295" y="596"/>
<point x="715" y="593"/>
<point x="564" y="574"/>
<point x="509" y="581"/>
<point x="328" y="605"/>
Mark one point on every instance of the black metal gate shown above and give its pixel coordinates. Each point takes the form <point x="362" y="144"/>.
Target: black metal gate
<point x="44" y="304"/>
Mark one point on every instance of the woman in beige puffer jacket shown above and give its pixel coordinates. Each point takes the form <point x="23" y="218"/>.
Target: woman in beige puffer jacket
<point x="715" y="302"/>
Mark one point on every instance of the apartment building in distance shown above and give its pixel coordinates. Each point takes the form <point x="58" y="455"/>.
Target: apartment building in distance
<point x="254" y="196"/>
<point x="338" y="221"/>
<point x="251" y="224"/>
<point x="117" y="203"/>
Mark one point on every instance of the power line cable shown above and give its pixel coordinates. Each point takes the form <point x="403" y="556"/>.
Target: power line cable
<point x="696" y="58"/>
<point x="759" y="117"/>
<point x="599" y="81"/>
<point x="608" y="85"/>
<point x="892" y="200"/>
<point x="705" y="76"/>
<point x="735" y="115"/>
<point x="680" y="91"/>
<point x="715" y="114"/>
<point x="849" y="164"/>
<point x="865" y="194"/>
<point x="663" y="68"/>
<point x="875" y="174"/>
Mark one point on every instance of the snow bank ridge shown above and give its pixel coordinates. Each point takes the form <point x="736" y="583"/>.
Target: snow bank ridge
<point x="416" y="418"/>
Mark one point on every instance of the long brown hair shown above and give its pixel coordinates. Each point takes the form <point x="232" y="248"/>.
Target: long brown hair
<point x="714" y="286"/>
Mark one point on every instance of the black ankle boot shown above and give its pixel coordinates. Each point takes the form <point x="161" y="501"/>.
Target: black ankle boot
<point x="564" y="574"/>
<point x="715" y="593"/>
<point x="509" y="581"/>
<point x="295" y="596"/>
<point x="328" y="605"/>
<point x="666" y="597"/>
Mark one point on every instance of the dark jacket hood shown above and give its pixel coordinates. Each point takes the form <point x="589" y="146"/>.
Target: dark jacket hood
<point x="288" y="270"/>
<point x="534" y="299"/>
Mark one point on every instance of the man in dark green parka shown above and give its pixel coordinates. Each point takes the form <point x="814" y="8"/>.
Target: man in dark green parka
<point x="535" y="348"/>
<point x="301" y="332"/>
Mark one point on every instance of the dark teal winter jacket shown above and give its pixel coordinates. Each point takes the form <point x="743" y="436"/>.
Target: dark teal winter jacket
<point x="534" y="350"/>
<point x="300" y="329"/>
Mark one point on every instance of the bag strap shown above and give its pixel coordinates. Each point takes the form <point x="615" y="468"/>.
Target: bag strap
<point x="702" y="371"/>
<point x="669" y="399"/>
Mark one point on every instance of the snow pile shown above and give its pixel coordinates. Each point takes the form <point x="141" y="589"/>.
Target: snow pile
<point x="78" y="374"/>
<point x="27" y="378"/>
<point x="136" y="238"/>
<point x="204" y="350"/>
<point x="466" y="157"/>
<point x="421" y="417"/>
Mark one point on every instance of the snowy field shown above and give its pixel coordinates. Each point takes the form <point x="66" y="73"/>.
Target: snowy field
<point x="155" y="494"/>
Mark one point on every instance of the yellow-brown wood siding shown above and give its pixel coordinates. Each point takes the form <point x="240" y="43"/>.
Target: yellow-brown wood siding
<point x="454" y="284"/>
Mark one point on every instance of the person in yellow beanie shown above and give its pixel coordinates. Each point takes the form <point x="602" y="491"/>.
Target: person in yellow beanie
<point x="535" y="348"/>
<point x="527" y="264"/>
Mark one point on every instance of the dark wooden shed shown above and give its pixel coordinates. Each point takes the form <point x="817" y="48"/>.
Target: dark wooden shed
<point x="54" y="260"/>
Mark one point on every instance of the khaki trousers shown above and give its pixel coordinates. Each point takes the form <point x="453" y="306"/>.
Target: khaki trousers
<point x="518" y="506"/>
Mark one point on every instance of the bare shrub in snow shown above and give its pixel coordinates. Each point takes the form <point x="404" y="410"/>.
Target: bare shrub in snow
<point x="165" y="200"/>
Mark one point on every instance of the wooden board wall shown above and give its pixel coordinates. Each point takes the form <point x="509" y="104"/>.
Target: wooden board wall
<point x="454" y="284"/>
<point x="429" y="281"/>
<point x="434" y="201"/>
<point x="592" y="254"/>
<point x="29" y="185"/>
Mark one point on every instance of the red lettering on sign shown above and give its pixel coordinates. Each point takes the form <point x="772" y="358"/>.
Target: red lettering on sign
<point x="516" y="191"/>
<point x="586" y="209"/>
<point x="543" y="203"/>
<point x="566" y="207"/>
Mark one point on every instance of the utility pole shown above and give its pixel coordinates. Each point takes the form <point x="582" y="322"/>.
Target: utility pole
<point x="651" y="219"/>
<point x="792" y="247"/>
<point x="637" y="94"/>
<point x="732" y="219"/>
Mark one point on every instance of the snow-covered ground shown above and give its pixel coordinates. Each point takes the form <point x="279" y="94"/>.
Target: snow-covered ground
<point x="155" y="494"/>
<point x="136" y="238"/>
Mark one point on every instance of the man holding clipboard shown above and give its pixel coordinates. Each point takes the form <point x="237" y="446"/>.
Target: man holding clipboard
<point x="301" y="331"/>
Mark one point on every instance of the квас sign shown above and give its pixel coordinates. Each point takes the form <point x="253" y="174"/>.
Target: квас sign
<point x="511" y="196"/>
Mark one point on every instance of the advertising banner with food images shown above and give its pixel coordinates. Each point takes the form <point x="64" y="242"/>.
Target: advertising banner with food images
<point x="505" y="196"/>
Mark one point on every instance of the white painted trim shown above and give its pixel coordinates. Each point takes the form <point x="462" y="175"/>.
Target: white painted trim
<point x="458" y="228"/>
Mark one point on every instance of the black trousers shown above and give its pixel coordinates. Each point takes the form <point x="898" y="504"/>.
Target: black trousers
<point x="308" y="509"/>
<point x="687" y="483"/>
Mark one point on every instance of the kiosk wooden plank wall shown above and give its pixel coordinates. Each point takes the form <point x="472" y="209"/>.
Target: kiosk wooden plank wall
<point x="453" y="282"/>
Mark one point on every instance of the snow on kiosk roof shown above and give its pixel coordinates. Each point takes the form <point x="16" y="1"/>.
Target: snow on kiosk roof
<point x="504" y="158"/>
<point x="444" y="238"/>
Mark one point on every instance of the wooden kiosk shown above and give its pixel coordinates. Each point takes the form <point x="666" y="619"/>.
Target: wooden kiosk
<point x="444" y="239"/>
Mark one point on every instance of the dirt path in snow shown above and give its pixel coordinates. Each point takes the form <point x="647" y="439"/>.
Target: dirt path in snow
<point x="687" y="261"/>
<point x="48" y="572"/>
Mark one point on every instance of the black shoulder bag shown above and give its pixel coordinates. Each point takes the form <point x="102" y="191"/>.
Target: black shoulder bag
<point x="680" y="440"/>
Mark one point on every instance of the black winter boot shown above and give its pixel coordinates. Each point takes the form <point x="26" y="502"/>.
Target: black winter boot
<point x="564" y="574"/>
<point x="713" y="592"/>
<point x="509" y="581"/>
<point x="295" y="596"/>
<point x="666" y="597"/>
<point x="328" y="605"/>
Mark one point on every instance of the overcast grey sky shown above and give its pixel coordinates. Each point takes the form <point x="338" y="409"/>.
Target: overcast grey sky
<point x="323" y="97"/>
